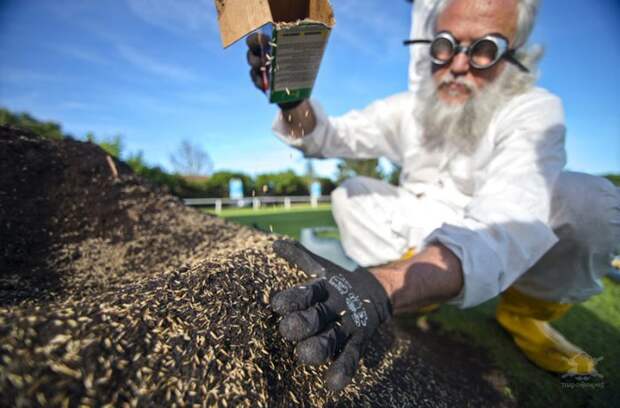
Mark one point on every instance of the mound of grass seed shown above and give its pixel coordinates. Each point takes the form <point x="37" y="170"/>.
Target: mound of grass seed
<point x="140" y="301"/>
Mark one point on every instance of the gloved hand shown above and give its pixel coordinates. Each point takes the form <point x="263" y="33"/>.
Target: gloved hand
<point x="258" y="49"/>
<point x="334" y="316"/>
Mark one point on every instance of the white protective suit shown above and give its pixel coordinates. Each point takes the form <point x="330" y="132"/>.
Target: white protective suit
<point x="498" y="209"/>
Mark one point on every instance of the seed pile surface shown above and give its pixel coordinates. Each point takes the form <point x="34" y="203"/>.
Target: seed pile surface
<point x="114" y="293"/>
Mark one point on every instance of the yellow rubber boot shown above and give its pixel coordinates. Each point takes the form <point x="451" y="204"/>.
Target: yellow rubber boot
<point x="526" y="319"/>
<point x="426" y="309"/>
<point x="410" y="253"/>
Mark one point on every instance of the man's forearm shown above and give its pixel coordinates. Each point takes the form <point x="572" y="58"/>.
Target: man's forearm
<point x="434" y="275"/>
<point x="300" y="120"/>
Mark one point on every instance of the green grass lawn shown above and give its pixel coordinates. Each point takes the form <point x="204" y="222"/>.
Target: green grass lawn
<point x="281" y="221"/>
<point x="594" y="325"/>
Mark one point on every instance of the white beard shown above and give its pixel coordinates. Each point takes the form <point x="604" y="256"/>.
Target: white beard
<point x="461" y="126"/>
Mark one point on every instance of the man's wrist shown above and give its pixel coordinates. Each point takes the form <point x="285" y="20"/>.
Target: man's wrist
<point x="385" y="276"/>
<point x="299" y="120"/>
<point x="433" y="275"/>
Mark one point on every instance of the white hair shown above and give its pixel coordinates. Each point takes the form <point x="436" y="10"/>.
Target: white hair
<point x="528" y="10"/>
<point x="526" y="18"/>
<point x="463" y="125"/>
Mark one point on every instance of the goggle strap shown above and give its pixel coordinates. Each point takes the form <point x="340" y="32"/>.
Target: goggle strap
<point x="510" y="56"/>
<point x="411" y="42"/>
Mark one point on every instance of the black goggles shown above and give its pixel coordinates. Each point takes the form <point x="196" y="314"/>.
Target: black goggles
<point x="483" y="52"/>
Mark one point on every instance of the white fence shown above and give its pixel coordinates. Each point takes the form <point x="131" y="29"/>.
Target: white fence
<point x="255" y="202"/>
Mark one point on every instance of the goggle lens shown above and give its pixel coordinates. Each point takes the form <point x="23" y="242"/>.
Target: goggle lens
<point x="442" y="49"/>
<point x="484" y="54"/>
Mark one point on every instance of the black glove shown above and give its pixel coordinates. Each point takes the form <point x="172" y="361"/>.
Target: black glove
<point x="334" y="316"/>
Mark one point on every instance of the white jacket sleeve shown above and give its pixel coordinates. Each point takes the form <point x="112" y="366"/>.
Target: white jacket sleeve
<point x="359" y="134"/>
<point x="505" y="229"/>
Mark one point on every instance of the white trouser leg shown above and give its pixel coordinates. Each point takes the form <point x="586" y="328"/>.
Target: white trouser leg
<point x="362" y="207"/>
<point x="585" y="215"/>
<point x="379" y="222"/>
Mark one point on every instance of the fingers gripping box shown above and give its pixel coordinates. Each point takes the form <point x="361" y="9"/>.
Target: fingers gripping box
<point x="300" y="33"/>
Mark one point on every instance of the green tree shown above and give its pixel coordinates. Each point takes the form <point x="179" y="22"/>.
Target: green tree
<point x="217" y="184"/>
<point x="327" y="185"/>
<point x="173" y="183"/>
<point x="348" y="168"/>
<point x="281" y="183"/>
<point x="394" y="176"/>
<point x="191" y="160"/>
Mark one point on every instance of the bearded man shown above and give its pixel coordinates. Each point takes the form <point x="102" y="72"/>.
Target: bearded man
<point x="483" y="199"/>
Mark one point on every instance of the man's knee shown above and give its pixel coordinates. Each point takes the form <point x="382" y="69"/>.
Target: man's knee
<point x="339" y="203"/>
<point x="362" y="208"/>
<point x="342" y="196"/>
<point x="586" y="218"/>
<point x="358" y="185"/>
<point x="587" y="208"/>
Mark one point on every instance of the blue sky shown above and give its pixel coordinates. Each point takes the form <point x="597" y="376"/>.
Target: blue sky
<point x="154" y="71"/>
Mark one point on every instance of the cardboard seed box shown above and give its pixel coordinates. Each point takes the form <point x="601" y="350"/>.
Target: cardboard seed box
<point x="300" y="33"/>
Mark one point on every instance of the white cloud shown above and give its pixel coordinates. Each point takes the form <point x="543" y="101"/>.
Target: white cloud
<point x="80" y="54"/>
<point x="21" y="76"/>
<point x="79" y="106"/>
<point x="18" y="102"/>
<point x="369" y="27"/>
<point x="68" y="9"/>
<point x="202" y="98"/>
<point x="153" y="66"/>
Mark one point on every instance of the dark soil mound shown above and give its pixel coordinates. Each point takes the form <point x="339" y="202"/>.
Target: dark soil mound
<point x="71" y="213"/>
<point x="115" y="293"/>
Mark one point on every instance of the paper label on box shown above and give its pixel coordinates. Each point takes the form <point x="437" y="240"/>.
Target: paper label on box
<point x="297" y="57"/>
